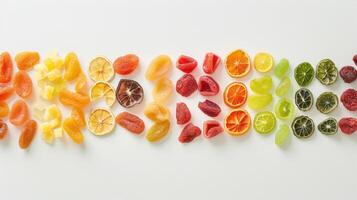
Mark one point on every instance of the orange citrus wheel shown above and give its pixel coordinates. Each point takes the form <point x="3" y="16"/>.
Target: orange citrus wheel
<point x="235" y="94"/>
<point x="237" y="122"/>
<point x="237" y="63"/>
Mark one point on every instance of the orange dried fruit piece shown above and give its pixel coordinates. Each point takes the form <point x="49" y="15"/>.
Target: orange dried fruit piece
<point x="163" y="90"/>
<point x="130" y="122"/>
<point x="71" y="128"/>
<point x="156" y="111"/>
<point x="158" y="68"/>
<point x="23" y="84"/>
<point x="6" y="92"/>
<point x="27" y="134"/>
<point x="78" y="116"/>
<point x="27" y="59"/>
<point x="101" y="69"/>
<point x="81" y="84"/>
<point x="125" y="65"/>
<point x="238" y="63"/>
<point x="3" y="129"/>
<point x="4" y="109"/>
<point x="102" y="89"/>
<point x="19" y="113"/>
<point x="101" y="121"/>
<point x="73" y="99"/>
<point x="237" y="122"/>
<point x="235" y="94"/>
<point x="72" y="67"/>
<point x="6" y="67"/>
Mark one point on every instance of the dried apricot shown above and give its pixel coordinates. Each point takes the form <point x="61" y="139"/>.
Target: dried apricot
<point x="6" y="92"/>
<point x="211" y="128"/>
<point x="78" y="116"/>
<point x="27" y="59"/>
<point x="348" y="125"/>
<point x="156" y="112"/>
<point x="207" y="86"/>
<point x="349" y="99"/>
<point x="189" y="133"/>
<point x="163" y="90"/>
<point x="186" y="63"/>
<point x="158" y="68"/>
<point x="186" y="85"/>
<point x="27" y="134"/>
<point x="72" y="67"/>
<point x="4" y="109"/>
<point x="74" y="99"/>
<point x="73" y="131"/>
<point x="3" y="129"/>
<point x="130" y="122"/>
<point x="125" y="65"/>
<point x="211" y="63"/>
<point x="183" y="114"/>
<point x="158" y="131"/>
<point x="6" y="67"/>
<point x="23" y="84"/>
<point x="209" y="108"/>
<point x="19" y="113"/>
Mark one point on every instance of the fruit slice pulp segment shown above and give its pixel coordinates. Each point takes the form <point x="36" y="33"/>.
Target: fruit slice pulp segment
<point x="303" y="127"/>
<point x="326" y="72"/>
<point x="103" y="89"/>
<point x="263" y="62"/>
<point x="129" y="93"/>
<point x="328" y="126"/>
<point x="304" y="73"/>
<point x="238" y="63"/>
<point x="264" y="122"/>
<point x="101" y="121"/>
<point x="326" y="102"/>
<point x="100" y="69"/>
<point x="235" y="94"/>
<point x="303" y="99"/>
<point x="237" y="122"/>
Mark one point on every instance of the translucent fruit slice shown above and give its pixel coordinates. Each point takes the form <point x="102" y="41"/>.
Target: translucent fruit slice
<point x="326" y="72"/>
<point x="282" y="68"/>
<point x="235" y="94"/>
<point x="129" y="93"/>
<point x="328" y="126"/>
<point x="158" y="131"/>
<point x="282" y="135"/>
<point x="284" y="86"/>
<point x="304" y="99"/>
<point x="303" y="127"/>
<point x="102" y="89"/>
<point x="158" y="67"/>
<point x="284" y="109"/>
<point x="263" y="62"/>
<point x="237" y="63"/>
<point x="264" y="122"/>
<point x="257" y="102"/>
<point x="304" y="73"/>
<point x="157" y="112"/>
<point x="261" y="85"/>
<point x="326" y="102"/>
<point x="101" y="121"/>
<point x="163" y="90"/>
<point x="237" y="122"/>
<point x="101" y="69"/>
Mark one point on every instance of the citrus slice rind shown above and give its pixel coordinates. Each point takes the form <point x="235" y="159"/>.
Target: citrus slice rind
<point x="328" y="126"/>
<point x="237" y="122"/>
<point x="104" y="90"/>
<point x="263" y="62"/>
<point x="304" y="73"/>
<point x="264" y="122"/>
<point x="100" y="69"/>
<point x="303" y="127"/>
<point x="101" y="121"/>
<point x="326" y="102"/>
<point x="237" y="63"/>
<point x="304" y="99"/>
<point x="284" y="109"/>
<point x="326" y="72"/>
<point x="129" y="93"/>
<point x="235" y="94"/>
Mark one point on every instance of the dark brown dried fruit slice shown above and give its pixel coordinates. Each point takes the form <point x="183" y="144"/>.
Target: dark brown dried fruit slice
<point x="129" y="93"/>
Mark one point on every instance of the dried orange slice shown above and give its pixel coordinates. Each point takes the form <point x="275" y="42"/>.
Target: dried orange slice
<point x="235" y="94"/>
<point x="101" y="121"/>
<point x="101" y="69"/>
<point x="102" y="89"/>
<point x="237" y="63"/>
<point x="237" y="122"/>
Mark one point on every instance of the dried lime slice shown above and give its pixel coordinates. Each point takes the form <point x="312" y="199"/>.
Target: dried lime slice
<point x="326" y="72"/>
<point x="328" y="126"/>
<point x="304" y="73"/>
<point x="304" y="99"/>
<point x="326" y="102"/>
<point x="303" y="127"/>
<point x="264" y="122"/>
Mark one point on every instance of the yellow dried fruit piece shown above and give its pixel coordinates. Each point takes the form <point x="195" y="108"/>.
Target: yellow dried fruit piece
<point x="73" y="131"/>
<point x="158" y="68"/>
<point x="53" y="60"/>
<point x="53" y="116"/>
<point x="38" y="111"/>
<point x="101" y="69"/>
<point x="101" y="121"/>
<point x="163" y="90"/>
<point x="103" y="89"/>
<point x="47" y="132"/>
<point x="72" y="67"/>
<point x="58" y="132"/>
<point x="81" y="84"/>
<point x="48" y="92"/>
<point x="157" y="112"/>
<point x="158" y="130"/>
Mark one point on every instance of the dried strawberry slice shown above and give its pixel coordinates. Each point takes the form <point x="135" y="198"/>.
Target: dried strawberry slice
<point x="129" y="93"/>
<point x="211" y="63"/>
<point x="183" y="114"/>
<point x="207" y="86"/>
<point x="189" y="133"/>
<point x="186" y="63"/>
<point x="349" y="99"/>
<point x="212" y="128"/>
<point x="186" y="85"/>
<point x="348" y="125"/>
<point x="348" y="74"/>
<point x="209" y="108"/>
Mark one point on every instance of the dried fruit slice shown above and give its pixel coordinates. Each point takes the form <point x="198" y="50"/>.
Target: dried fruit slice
<point x="100" y="69"/>
<point x="348" y="74"/>
<point x="73" y="131"/>
<point x="81" y="84"/>
<point x="282" y="135"/>
<point x="282" y="68"/>
<point x="22" y="84"/>
<point x="6" y="92"/>
<point x="27" y="134"/>
<point x="183" y="114"/>
<point x="78" y="116"/>
<point x="53" y="116"/>
<point x="264" y="122"/>
<point x="211" y="63"/>
<point x="189" y="133"/>
<point x="3" y="129"/>
<point x="73" y="99"/>
<point x="348" y="125"/>
<point x="163" y="90"/>
<point x="186" y="85"/>
<point x="158" y="68"/>
<point x="263" y="62"/>
<point x="27" y="59"/>
<point x="125" y="65"/>
<point x="326" y="72"/>
<point x="257" y="102"/>
<point x="4" y="109"/>
<point x="158" y="131"/>
<point x="101" y="121"/>
<point x="261" y="85"/>
<point x="130" y="122"/>
<point x="209" y="108"/>
<point x="303" y="127"/>
<point x="326" y="102"/>
<point x="235" y="94"/>
<point x="349" y="99"/>
<point x="6" y="67"/>
<point x="304" y="74"/>
<point x="72" y="67"/>
<point x="212" y="128"/>
<point x="304" y="99"/>
<point x="102" y="89"/>
<point x="328" y="126"/>
<point x="237" y="122"/>
<point x="19" y="113"/>
<point x="283" y="87"/>
<point x="186" y="63"/>
<point x="156" y="112"/>
<point x="207" y="86"/>
<point x="284" y="109"/>
<point x="129" y="93"/>
<point x="237" y="63"/>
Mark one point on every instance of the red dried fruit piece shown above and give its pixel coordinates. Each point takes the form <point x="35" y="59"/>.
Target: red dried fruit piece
<point x="28" y="133"/>
<point x="3" y="129"/>
<point x="124" y="65"/>
<point x="211" y="63"/>
<point x="6" y="67"/>
<point x="209" y="108"/>
<point x="211" y="128"/>
<point x="355" y="59"/>
<point x="186" y="85"/>
<point x="348" y="125"/>
<point x="189" y="133"/>
<point x="22" y="84"/>
<point x="349" y="99"/>
<point x="183" y="114"/>
<point x="207" y="86"/>
<point x="6" y="92"/>
<point x="19" y="113"/>
<point x="348" y="74"/>
<point x="130" y="122"/>
<point x="186" y="63"/>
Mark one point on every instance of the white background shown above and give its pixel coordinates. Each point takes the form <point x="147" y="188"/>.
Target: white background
<point x="126" y="166"/>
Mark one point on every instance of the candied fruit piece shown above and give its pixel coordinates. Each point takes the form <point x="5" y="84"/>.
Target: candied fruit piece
<point x="19" y="113"/>
<point x="73" y="131"/>
<point x="72" y="67"/>
<point x="27" y="59"/>
<point x="47" y="132"/>
<point x="4" y="109"/>
<point x="27" y="134"/>
<point x="189" y="133"/>
<point x="348" y="125"/>
<point x="209" y="108"/>
<point x="163" y="90"/>
<point x="125" y="65"/>
<point x="186" y="63"/>
<point x="211" y="63"/>
<point x="156" y="112"/>
<point x="78" y="116"/>
<point x="130" y="122"/>
<point x="183" y="114"/>
<point x="6" y="92"/>
<point x="212" y="128"/>
<point x="348" y="74"/>
<point x="6" y="67"/>
<point x="23" y="84"/>
<point x="158" y="131"/>
<point x="207" y="86"/>
<point x="3" y="129"/>
<point x="74" y="99"/>
<point x="186" y="85"/>
<point x="349" y="99"/>
<point x="158" y="68"/>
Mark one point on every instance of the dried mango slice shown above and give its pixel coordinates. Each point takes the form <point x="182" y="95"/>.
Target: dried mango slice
<point x="72" y="67"/>
<point x="73" y="131"/>
<point x="157" y="112"/>
<point x="162" y="90"/>
<point x="78" y="116"/>
<point x="73" y="99"/>
<point x="158" y="68"/>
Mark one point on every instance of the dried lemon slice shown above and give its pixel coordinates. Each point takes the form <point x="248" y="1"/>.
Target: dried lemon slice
<point x="101" y="121"/>
<point x="102" y="89"/>
<point x="101" y="69"/>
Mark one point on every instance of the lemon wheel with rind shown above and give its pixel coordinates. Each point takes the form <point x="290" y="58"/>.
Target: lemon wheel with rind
<point x="104" y="90"/>
<point x="101" y="121"/>
<point x="100" y="69"/>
